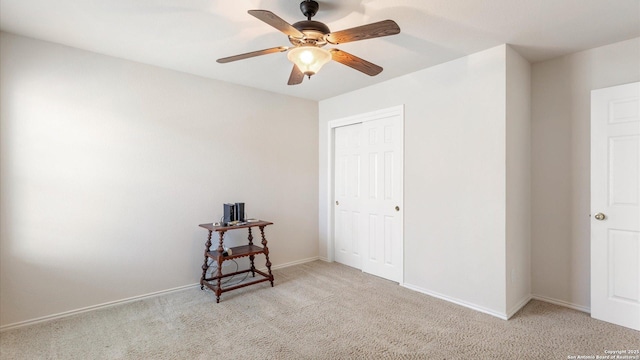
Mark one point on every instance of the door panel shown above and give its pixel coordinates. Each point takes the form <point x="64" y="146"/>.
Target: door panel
<point x="624" y="254"/>
<point x="348" y="175"/>
<point x="623" y="170"/>
<point x="615" y="200"/>
<point x="384" y="148"/>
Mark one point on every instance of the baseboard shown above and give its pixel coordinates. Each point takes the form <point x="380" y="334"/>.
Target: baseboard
<point x="292" y="263"/>
<point x="127" y="300"/>
<point x="324" y="259"/>
<point x="471" y="306"/>
<point x="93" y="307"/>
<point x="524" y="301"/>
<point x="562" y="303"/>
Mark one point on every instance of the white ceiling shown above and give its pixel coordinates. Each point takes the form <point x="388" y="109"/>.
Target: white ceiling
<point x="189" y="35"/>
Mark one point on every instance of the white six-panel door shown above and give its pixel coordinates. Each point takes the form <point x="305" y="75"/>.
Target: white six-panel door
<point x="368" y="194"/>
<point x="382" y="197"/>
<point x="615" y="205"/>
<point x="348" y="201"/>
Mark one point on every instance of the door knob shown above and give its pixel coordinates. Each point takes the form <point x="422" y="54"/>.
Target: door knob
<point x="397" y="208"/>
<point x="600" y="216"/>
<point x="337" y="203"/>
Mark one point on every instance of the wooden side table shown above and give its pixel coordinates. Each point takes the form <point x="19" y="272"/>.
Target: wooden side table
<point x="250" y="250"/>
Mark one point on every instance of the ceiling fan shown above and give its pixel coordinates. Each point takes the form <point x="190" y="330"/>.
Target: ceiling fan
<point x="309" y="36"/>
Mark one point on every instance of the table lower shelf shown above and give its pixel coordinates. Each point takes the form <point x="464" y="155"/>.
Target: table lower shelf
<point x="237" y="252"/>
<point x="214" y="286"/>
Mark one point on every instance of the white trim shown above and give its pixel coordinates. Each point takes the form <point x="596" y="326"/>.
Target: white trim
<point x="506" y="316"/>
<point x="330" y="164"/>
<point x="500" y="315"/>
<point x="297" y="262"/>
<point x="128" y="300"/>
<point x="374" y="115"/>
<point x="525" y="300"/>
<point x="471" y="306"/>
<point x="350" y="120"/>
<point x="94" y="307"/>
<point x="292" y="263"/>
<point x="562" y="303"/>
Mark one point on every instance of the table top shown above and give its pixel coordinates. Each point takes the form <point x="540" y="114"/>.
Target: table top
<point x="212" y="227"/>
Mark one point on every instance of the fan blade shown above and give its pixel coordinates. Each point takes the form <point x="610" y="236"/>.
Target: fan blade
<point x="275" y="21"/>
<point x="252" y="54"/>
<point x="296" y="76"/>
<point x="370" y="31"/>
<point x="355" y="62"/>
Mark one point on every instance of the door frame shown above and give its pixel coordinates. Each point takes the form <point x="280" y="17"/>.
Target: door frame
<point x="330" y="171"/>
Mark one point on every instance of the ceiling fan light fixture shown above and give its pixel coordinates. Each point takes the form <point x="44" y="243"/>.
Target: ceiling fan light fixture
<point x="309" y="36"/>
<point x="309" y="59"/>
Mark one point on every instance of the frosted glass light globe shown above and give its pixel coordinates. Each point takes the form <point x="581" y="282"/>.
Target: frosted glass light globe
<point x="309" y="59"/>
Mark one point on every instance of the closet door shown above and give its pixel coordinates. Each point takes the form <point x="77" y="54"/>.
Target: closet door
<point x="382" y="197"/>
<point x="348" y="202"/>
<point x="368" y="184"/>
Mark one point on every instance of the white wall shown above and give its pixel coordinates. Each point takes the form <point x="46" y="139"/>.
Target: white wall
<point x="455" y="174"/>
<point x="561" y="165"/>
<point x="108" y="166"/>
<point x="518" y="163"/>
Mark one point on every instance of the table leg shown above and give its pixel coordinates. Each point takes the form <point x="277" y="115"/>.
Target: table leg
<point x="266" y="254"/>
<point x="205" y="266"/>
<point x="252" y="257"/>
<point x="220" y="261"/>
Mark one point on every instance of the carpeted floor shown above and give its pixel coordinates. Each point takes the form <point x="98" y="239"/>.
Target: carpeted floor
<point x="315" y="311"/>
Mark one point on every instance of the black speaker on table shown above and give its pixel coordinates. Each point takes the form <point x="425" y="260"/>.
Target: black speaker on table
<point x="240" y="212"/>
<point x="229" y="213"/>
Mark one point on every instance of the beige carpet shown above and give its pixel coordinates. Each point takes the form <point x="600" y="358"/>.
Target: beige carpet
<point x="315" y="311"/>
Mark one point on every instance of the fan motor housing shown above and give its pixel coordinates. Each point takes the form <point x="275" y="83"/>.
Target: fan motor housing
<point x="314" y="32"/>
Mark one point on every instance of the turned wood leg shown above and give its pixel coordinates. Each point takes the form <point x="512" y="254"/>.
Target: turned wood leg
<point x="219" y="287"/>
<point x="252" y="257"/>
<point x="266" y="254"/>
<point x="205" y="265"/>
<point x="253" y="268"/>
<point x="220" y="261"/>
